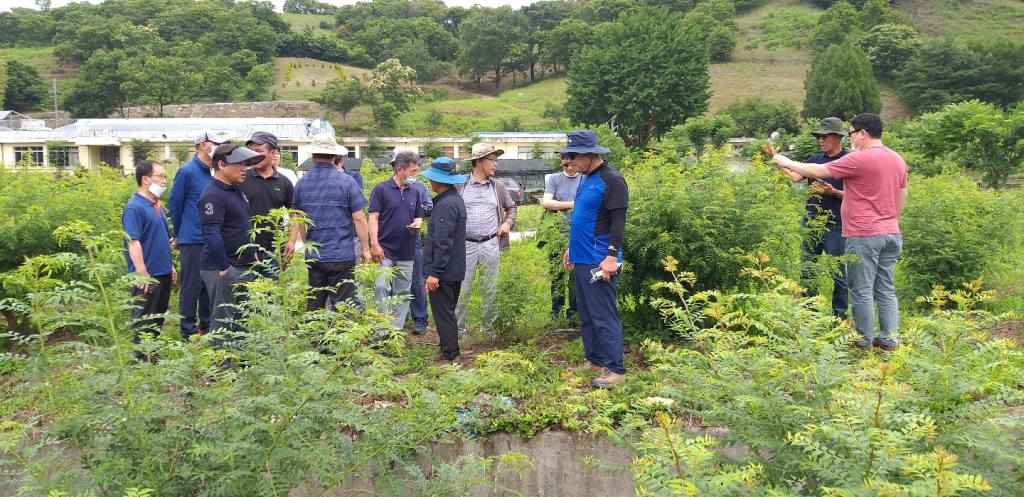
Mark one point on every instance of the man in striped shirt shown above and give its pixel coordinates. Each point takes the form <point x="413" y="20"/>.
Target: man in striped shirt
<point x="491" y="213"/>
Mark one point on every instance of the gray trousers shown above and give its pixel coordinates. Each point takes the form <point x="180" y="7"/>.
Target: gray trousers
<point x="399" y="286"/>
<point x="486" y="257"/>
<point x="871" y="283"/>
<point x="225" y="293"/>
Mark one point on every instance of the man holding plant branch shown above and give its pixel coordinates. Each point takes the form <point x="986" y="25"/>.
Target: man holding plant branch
<point x="875" y="181"/>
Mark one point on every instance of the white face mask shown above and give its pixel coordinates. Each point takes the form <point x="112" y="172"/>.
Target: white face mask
<point x="573" y="175"/>
<point x="156" y="189"/>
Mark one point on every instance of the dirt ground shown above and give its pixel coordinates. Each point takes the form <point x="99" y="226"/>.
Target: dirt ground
<point x="1012" y="330"/>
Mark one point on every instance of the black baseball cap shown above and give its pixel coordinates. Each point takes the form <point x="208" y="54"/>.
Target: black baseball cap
<point x="263" y="138"/>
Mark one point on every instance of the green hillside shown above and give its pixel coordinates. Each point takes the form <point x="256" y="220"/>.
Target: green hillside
<point x="969" y="20"/>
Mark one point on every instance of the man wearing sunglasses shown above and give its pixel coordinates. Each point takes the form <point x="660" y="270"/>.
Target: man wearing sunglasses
<point x="559" y="193"/>
<point x="596" y="232"/>
<point x="875" y="193"/>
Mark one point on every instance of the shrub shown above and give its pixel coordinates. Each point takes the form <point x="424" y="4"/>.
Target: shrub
<point x="701" y="215"/>
<point x="524" y="295"/>
<point x="954" y="231"/>
<point x="756" y="117"/>
<point x="291" y="419"/>
<point x="803" y="413"/>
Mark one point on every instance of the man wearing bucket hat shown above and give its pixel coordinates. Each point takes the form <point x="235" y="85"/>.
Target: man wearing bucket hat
<point x="826" y="199"/>
<point x="875" y="181"/>
<point x="596" y="231"/>
<point x="444" y="253"/>
<point x="224" y="215"/>
<point x="187" y="236"/>
<point x="334" y="204"/>
<point x="490" y="216"/>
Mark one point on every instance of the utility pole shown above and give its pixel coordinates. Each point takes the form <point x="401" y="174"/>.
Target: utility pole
<point x="55" y="115"/>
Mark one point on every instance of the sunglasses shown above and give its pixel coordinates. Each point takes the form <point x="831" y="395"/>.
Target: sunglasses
<point x="570" y="155"/>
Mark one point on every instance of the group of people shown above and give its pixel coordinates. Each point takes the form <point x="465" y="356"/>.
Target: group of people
<point x="218" y="195"/>
<point x="862" y="194"/>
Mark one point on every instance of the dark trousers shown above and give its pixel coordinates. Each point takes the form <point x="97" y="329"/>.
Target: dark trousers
<point x="149" y="303"/>
<point x="193" y="292"/>
<point x="331" y="282"/>
<point x="442" y="304"/>
<point x="561" y="284"/>
<point x="599" y="319"/>
<point x="833" y="244"/>
<point x="227" y="293"/>
<point x="418" y="305"/>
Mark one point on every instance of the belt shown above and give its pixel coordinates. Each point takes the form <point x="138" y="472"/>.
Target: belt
<point x="482" y="239"/>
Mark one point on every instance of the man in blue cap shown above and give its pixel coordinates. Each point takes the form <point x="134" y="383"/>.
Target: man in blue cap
<point x="596" y="231"/>
<point x="187" y="236"/>
<point x="444" y="254"/>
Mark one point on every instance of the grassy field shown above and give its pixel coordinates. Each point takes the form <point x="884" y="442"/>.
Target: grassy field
<point x="300" y="21"/>
<point x="300" y="86"/>
<point x="42" y="59"/>
<point x="968" y="20"/>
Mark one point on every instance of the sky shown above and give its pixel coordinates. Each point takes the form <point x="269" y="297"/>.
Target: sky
<point x="10" y="4"/>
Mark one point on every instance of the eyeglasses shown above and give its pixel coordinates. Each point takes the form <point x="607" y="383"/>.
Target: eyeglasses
<point x="570" y="155"/>
<point x="158" y="176"/>
<point x="852" y="131"/>
<point x="491" y="159"/>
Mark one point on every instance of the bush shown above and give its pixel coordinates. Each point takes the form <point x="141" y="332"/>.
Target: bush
<point x="524" y="295"/>
<point x="702" y="215"/>
<point x="953" y="232"/>
<point x="802" y="413"/>
<point x="756" y="117"/>
<point x="291" y="419"/>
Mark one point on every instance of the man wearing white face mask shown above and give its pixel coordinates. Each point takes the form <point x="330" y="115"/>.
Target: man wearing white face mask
<point x="148" y="251"/>
<point x="396" y="215"/>
<point x="189" y="182"/>
<point x="559" y="194"/>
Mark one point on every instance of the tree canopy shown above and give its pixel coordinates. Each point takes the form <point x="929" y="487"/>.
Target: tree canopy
<point x="644" y="73"/>
<point x="840" y="84"/>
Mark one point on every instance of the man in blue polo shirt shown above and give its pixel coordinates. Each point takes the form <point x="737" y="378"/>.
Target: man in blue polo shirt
<point x="596" y="231"/>
<point x="224" y="216"/>
<point x="148" y="251"/>
<point x="396" y="216"/>
<point x="189" y="182"/>
<point x="334" y="205"/>
<point x="825" y="200"/>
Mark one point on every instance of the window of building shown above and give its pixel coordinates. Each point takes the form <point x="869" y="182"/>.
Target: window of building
<point x="351" y="152"/>
<point x="293" y="150"/>
<point x="448" y="152"/>
<point x="34" y="154"/>
<point x="63" y="156"/>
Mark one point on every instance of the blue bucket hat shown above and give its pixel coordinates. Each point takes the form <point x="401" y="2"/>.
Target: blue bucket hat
<point x="443" y="170"/>
<point x="583" y="141"/>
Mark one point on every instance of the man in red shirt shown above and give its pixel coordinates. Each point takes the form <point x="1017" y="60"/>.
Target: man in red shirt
<point x="875" y="193"/>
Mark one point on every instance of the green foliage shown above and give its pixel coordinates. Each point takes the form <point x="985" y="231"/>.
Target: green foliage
<point x="180" y="153"/>
<point x="702" y="214"/>
<point x="525" y="299"/>
<point x="188" y="427"/>
<point x="756" y="117"/>
<point x="978" y="137"/>
<point x="833" y="26"/>
<point x="606" y="82"/>
<point x="889" y="47"/>
<point x="564" y="41"/>
<point x="954" y="231"/>
<point x="432" y="150"/>
<point x="3" y="78"/>
<point x="140" y="150"/>
<point x="385" y="115"/>
<point x="806" y="414"/>
<point x="784" y="28"/>
<point x="484" y="49"/>
<point x="34" y="203"/>
<point x="24" y="89"/>
<point x="700" y="130"/>
<point x="392" y="83"/>
<point x="840" y="84"/>
<point x="343" y="95"/>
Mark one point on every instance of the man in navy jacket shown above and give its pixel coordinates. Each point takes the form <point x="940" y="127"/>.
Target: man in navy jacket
<point x="189" y="182"/>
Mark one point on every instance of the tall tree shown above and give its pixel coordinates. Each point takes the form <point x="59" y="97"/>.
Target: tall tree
<point x="25" y="90"/>
<point x="144" y="79"/>
<point x="565" y="40"/>
<point x="393" y="82"/>
<point x="940" y="72"/>
<point x="487" y="38"/>
<point x="541" y="18"/>
<point x="840" y="84"/>
<point x="890" y="46"/>
<point x="343" y="95"/>
<point x="644" y="73"/>
<point x="97" y="89"/>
